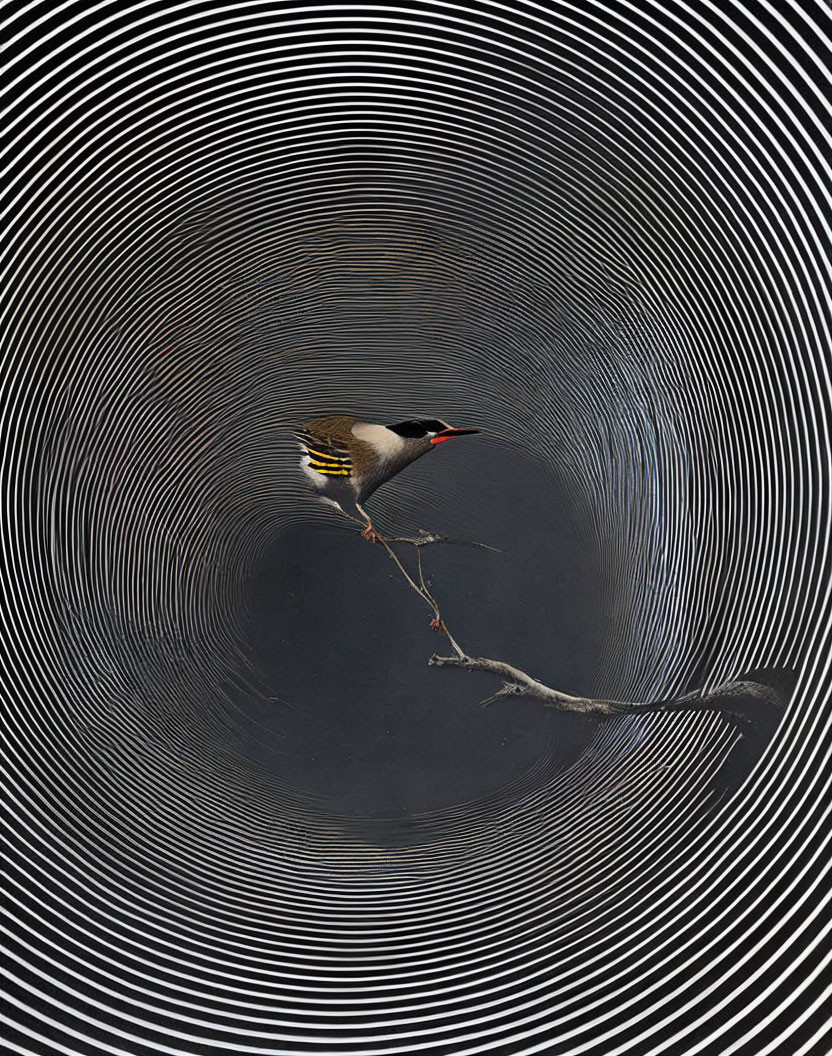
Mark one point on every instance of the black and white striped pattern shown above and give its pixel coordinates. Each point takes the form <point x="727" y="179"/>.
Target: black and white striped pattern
<point x="603" y="227"/>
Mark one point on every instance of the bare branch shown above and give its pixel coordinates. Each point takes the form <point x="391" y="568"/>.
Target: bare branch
<point x="732" y="698"/>
<point x="739" y="699"/>
<point x="524" y="684"/>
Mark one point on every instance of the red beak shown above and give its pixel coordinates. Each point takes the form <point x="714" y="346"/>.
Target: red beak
<point x="447" y="434"/>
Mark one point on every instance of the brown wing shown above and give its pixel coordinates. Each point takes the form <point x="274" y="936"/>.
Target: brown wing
<point x="324" y="441"/>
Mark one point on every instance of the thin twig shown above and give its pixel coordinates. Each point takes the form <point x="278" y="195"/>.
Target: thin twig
<point x="424" y="587"/>
<point x="404" y="571"/>
<point x="507" y="689"/>
<point x="425" y="538"/>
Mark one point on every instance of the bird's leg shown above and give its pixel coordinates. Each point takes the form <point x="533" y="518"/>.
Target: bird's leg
<point x="356" y="519"/>
<point x="369" y="532"/>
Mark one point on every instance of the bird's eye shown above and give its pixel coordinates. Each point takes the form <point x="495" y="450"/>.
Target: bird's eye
<point x="433" y="425"/>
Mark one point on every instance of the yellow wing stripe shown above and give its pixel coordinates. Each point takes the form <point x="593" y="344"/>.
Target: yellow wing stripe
<point x="328" y="465"/>
<point x="332" y="461"/>
<point x="326" y="458"/>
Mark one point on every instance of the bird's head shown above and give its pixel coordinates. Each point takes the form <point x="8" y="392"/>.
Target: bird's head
<point x="423" y="434"/>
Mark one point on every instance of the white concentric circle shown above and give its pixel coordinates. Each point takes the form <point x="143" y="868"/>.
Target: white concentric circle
<point x="601" y="231"/>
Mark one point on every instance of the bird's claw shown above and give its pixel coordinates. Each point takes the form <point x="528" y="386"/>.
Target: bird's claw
<point x="438" y="624"/>
<point x="371" y="534"/>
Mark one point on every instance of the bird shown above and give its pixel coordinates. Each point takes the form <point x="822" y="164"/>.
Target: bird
<point x="346" y="460"/>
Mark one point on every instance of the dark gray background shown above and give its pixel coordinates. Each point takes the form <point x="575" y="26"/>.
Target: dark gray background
<point x="337" y="635"/>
